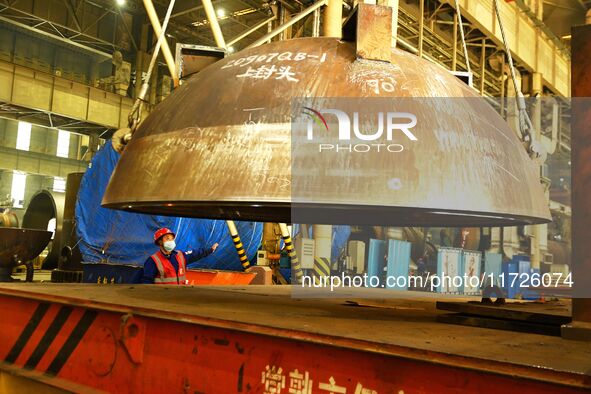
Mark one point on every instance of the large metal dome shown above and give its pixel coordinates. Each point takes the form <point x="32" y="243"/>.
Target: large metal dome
<point x="221" y="147"/>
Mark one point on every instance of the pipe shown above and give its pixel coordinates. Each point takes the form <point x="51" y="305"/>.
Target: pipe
<point x="250" y="31"/>
<point x="151" y="11"/>
<point x="135" y="114"/>
<point x="213" y="22"/>
<point x="269" y="30"/>
<point x="421" y="26"/>
<point x="333" y="19"/>
<point x="458" y="15"/>
<point x="503" y="93"/>
<point x="293" y="20"/>
<point x="238" y="244"/>
<point x="282" y="21"/>
<point x="316" y="24"/>
<point x="482" y="66"/>
<point x="295" y="262"/>
<point x="454" y="53"/>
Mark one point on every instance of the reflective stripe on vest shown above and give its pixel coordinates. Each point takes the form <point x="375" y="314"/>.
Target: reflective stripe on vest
<point x="166" y="272"/>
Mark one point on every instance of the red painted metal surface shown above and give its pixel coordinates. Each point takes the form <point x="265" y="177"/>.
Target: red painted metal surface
<point x="218" y="277"/>
<point x="120" y="352"/>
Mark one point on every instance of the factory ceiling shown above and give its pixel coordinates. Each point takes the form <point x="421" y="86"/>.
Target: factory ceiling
<point x="99" y="27"/>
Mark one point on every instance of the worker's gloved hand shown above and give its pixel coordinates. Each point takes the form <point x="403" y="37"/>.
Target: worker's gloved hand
<point x="214" y="247"/>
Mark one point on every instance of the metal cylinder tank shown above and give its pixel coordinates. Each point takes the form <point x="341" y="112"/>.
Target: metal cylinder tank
<point x="44" y="207"/>
<point x="221" y="146"/>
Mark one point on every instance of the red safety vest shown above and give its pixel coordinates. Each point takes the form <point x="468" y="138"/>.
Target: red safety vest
<point x="166" y="272"/>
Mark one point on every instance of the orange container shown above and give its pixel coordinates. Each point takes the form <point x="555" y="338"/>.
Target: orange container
<point x="218" y="277"/>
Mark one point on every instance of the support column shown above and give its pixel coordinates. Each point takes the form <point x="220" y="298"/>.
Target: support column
<point x="421" y="26"/>
<point x="141" y="54"/>
<point x="323" y="248"/>
<point x="580" y="328"/>
<point x="93" y="145"/>
<point x="213" y="22"/>
<point x="503" y="91"/>
<point x="158" y="29"/>
<point x="94" y="77"/>
<point x="333" y="19"/>
<point x="154" y="79"/>
<point x="539" y="231"/>
<point x="482" y="66"/>
<point x="238" y="245"/>
<point x="454" y="53"/>
<point x="296" y="267"/>
<point x="282" y="15"/>
<point x="316" y="24"/>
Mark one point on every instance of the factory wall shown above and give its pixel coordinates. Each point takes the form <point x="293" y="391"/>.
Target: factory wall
<point x="43" y="140"/>
<point x="46" y="55"/>
<point x="41" y="165"/>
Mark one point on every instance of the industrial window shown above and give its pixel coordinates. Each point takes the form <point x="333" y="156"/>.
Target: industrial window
<point x="23" y="137"/>
<point x="63" y="144"/>
<point x="51" y="227"/>
<point x="17" y="192"/>
<point x="59" y="184"/>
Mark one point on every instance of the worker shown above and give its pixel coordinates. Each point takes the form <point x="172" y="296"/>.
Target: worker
<point x="168" y="266"/>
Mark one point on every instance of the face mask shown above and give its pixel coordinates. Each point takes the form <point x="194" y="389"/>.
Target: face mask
<point x="169" y="246"/>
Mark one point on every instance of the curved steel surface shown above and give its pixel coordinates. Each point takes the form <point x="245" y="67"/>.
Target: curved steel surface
<point x="220" y="147"/>
<point x="19" y="245"/>
<point x="44" y="206"/>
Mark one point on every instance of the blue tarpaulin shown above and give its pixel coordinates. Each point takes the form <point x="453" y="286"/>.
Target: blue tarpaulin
<point x="118" y="237"/>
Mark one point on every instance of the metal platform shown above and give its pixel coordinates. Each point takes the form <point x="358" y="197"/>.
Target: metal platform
<point x="256" y="339"/>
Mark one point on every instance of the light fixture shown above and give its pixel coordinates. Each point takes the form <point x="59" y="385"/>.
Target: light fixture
<point x="120" y="2"/>
<point x="221" y="12"/>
